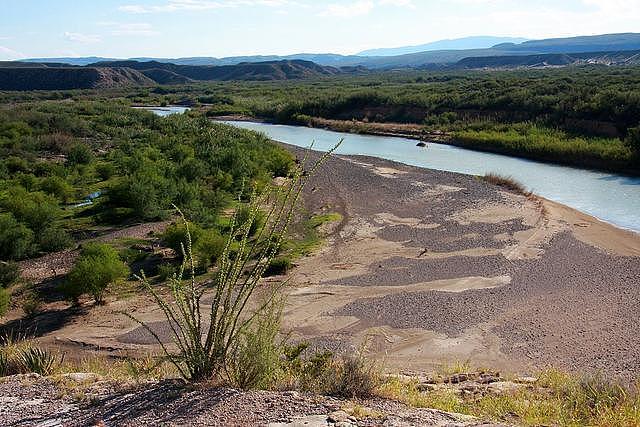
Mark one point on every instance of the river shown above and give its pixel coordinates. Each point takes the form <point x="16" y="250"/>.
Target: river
<point x="610" y="197"/>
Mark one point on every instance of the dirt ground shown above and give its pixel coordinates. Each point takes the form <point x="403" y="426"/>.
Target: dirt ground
<point x="430" y="267"/>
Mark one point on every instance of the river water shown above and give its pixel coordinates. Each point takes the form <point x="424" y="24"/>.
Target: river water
<point x="610" y="197"/>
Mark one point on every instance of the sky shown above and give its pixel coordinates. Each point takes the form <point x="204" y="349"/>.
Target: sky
<point x="186" y="28"/>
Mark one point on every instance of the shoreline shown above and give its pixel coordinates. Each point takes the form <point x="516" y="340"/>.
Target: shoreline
<point x="254" y="120"/>
<point x="418" y="133"/>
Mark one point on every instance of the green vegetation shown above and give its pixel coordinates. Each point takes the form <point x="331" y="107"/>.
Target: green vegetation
<point x="211" y="352"/>
<point x="556" y="399"/>
<point x="53" y="155"/>
<point x="98" y="267"/>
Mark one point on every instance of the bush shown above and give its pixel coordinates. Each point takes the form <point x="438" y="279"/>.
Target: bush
<point x="32" y="304"/>
<point x="57" y="187"/>
<point x="9" y="274"/>
<point x="38" y="360"/>
<point x="278" y="267"/>
<point x="54" y="239"/>
<point x="16" y="240"/>
<point x="209" y="247"/>
<point x="79" y="154"/>
<point x="166" y="271"/>
<point x="354" y="377"/>
<point x="255" y="362"/>
<point x="257" y="218"/>
<point x="5" y="301"/>
<point x="506" y="182"/>
<point x="175" y="236"/>
<point x="105" y="171"/>
<point x="98" y="266"/>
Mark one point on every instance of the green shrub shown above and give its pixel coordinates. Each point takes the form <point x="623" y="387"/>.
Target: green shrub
<point x="38" y="360"/>
<point x="257" y="218"/>
<point x="175" y="236"/>
<point x="255" y="362"/>
<point x="31" y="304"/>
<point x="5" y="301"/>
<point x="105" y="171"/>
<point x="16" y="240"/>
<point x="35" y="209"/>
<point x="58" y="187"/>
<point x="79" y="154"/>
<point x="54" y="239"/>
<point x="166" y="271"/>
<point x="209" y="247"/>
<point x="9" y="273"/>
<point x="278" y="267"/>
<point x="97" y="267"/>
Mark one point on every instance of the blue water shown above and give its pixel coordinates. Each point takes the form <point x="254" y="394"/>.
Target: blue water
<point x="610" y="197"/>
<point x="165" y="111"/>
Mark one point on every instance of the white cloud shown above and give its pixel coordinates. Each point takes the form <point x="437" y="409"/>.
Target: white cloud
<point x="82" y="38"/>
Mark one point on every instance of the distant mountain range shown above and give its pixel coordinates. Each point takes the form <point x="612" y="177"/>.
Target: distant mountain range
<point x="56" y="76"/>
<point x="440" y="56"/>
<point x="96" y="72"/>
<point x="476" y="42"/>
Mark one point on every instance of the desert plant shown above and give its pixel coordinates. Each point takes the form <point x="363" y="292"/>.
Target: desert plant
<point x="354" y="377"/>
<point x="9" y="273"/>
<point x="31" y="304"/>
<point x="54" y="239"/>
<point x="255" y="357"/>
<point x="206" y="341"/>
<point x="38" y="360"/>
<point x="98" y="266"/>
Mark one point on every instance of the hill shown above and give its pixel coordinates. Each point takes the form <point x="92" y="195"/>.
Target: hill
<point x="477" y="42"/>
<point x="67" y="78"/>
<point x="550" y="60"/>
<point x="268" y="70"/>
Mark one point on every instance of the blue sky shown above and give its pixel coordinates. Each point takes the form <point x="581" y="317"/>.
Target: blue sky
<point x="180" y="28"/>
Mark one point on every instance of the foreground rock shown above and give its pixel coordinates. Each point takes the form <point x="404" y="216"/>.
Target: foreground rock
<point x="31" y="400"/>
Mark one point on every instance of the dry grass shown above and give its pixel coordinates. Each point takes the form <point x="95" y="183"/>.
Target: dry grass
<point x="506" y="182"/>
<point x="557" y="399"/>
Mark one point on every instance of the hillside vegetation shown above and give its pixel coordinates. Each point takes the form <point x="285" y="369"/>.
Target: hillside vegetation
<point x="65" y="78"/>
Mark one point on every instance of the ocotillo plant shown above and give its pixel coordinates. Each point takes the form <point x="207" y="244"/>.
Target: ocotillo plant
<point x="205" y="336"/>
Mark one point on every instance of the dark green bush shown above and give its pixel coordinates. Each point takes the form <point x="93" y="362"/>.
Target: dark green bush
<point x="79" y="154"/>
<point x="54" y="239"/>
<point x="105" y="171"/>
<point x="97" y="267"/>
<point x="633" y="139"/>
<point x="16" y="240"/>
<point x="58" y="187"/>
<point x="9" y="273"/>
<point x="209" y="247"/>
<point x="278" y="267"/>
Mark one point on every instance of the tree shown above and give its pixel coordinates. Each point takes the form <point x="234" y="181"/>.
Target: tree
<point x="97" y="267"/>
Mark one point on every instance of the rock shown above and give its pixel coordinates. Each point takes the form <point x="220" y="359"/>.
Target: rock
<point x="307" y="421"/>
<point x="338" y="417"/>
<point x="526" y="380"/>
<point x="82" y="377"/>
<point x="504" y="387"/>
<point x="421" y="144"/>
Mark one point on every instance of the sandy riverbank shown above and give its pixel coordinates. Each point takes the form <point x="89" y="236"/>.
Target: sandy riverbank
<point x="431" y="267"/>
